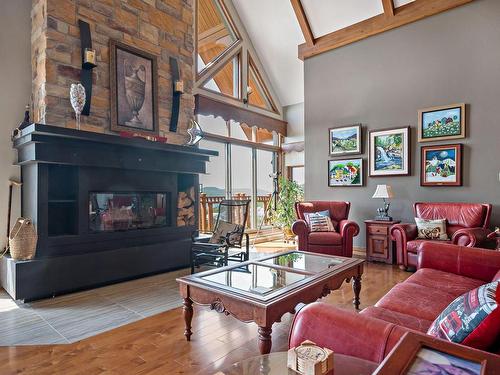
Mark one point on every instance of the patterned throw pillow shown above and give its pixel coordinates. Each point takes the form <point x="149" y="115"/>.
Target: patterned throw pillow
<point x="473" y="319"/>
<point x="431" y="229"/>
<point x="224" y="228"/>
<point x="321" y="224"/>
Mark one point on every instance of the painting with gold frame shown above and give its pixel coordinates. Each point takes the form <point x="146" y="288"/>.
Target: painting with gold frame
<point x="441" y="123"/>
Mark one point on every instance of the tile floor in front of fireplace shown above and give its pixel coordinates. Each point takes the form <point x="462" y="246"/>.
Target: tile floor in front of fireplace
<point x="73" y="317"/>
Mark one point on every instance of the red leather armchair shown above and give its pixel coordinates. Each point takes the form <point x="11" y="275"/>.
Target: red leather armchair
<point x="444" y="273"/>
<point x="466" y="224"/>
<point x="332" y="243"/>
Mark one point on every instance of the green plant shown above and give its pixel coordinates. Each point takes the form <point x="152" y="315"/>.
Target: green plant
<point x="289" y="193"/>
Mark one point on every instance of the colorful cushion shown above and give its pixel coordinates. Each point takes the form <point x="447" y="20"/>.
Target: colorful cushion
<point x="431" y="229"/>
<point x="473" y="319"/>
<point x="224" y="228"/>
<point x="320" y="220"/>
<point x="321" y="224"/>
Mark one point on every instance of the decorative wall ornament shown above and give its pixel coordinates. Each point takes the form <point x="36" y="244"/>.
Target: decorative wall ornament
<point x="389" y="152"/>
<point x="134" y="91"/>
<point x="195" y="133"/>
<point x="77" y="98"/>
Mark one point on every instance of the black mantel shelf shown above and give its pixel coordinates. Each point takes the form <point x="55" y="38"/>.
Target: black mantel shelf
<point x="61" y="168"/>
<point x="39" y="143"/>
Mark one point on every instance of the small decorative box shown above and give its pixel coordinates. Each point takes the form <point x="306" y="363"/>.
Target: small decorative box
<point x="309" y="359"/>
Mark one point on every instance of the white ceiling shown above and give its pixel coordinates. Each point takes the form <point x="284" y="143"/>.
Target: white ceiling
<point x="275" y="33"/>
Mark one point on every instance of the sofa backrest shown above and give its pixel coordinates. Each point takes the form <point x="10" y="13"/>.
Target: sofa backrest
<point x="338" y="210"/>
<point x="458" y="215"/>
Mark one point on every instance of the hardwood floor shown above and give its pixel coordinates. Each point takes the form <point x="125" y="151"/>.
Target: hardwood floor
<point x="156" y="345"/>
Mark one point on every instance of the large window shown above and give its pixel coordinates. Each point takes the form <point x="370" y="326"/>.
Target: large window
<point x="241" y="172"/>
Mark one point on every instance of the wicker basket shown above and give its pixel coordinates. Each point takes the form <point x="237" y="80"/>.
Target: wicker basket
<point x="22" y="240"/>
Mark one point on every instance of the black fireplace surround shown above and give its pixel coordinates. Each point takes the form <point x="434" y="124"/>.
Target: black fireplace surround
<point x="105" y="209"/>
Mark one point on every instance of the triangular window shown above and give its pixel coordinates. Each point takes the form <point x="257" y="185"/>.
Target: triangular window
<point x="257" y="92"/>
<point x="215" y="32"/>
<point x="227" y="80"/>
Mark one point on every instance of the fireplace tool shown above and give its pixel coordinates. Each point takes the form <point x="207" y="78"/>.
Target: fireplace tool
<point x="9" y="210"/>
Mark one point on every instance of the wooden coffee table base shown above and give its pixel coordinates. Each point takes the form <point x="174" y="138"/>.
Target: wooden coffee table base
<point x="264" y="314"/>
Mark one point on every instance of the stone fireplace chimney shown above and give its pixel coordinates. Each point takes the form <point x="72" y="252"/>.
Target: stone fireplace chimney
<point x="163" y="28"/>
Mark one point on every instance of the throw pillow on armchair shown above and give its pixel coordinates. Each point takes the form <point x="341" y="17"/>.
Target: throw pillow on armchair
<point x="431" y="229"/>
<point x="320" y="221"/>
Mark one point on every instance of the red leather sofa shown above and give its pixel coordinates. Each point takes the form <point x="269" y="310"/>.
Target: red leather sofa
<point x="332" y="243"/>
<point x="444" y="273"/>
<point x="466" y="225"/>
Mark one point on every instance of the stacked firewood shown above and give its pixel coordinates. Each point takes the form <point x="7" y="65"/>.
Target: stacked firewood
<point x="185" y="208"/>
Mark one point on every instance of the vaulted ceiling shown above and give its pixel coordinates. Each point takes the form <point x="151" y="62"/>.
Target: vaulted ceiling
<point x="276" y="30"/>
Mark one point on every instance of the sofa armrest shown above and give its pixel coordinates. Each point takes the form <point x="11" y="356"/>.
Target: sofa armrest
<point x="471" y="262"/>
<point x="470" y="237"/>
<point x="344" y="331"/>
<point x="301" y="229"/>
<point x="348" y="229"/>
<point x="405" y="232"/>
<point x="401" y="234"/>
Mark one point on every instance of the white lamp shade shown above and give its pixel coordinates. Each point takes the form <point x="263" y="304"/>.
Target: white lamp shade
<point x="383" y="191"/>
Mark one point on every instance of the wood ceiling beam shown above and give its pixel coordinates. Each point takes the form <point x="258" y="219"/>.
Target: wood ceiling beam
<point x="303" y="22"/>
<point x="403" y="15"/>
<point x="388" y="7"/>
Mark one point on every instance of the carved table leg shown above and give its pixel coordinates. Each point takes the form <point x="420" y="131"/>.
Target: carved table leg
<point x="265" y="340"/>
<point x="356" y="288"/>
<point x="187" y="313"/>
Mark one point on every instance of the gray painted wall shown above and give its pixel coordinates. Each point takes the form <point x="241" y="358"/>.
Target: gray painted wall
<point x="15" y="92"/>
<point x="384" y="80"/>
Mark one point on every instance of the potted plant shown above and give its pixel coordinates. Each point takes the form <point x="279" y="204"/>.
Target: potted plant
<point x="284" y="215"/>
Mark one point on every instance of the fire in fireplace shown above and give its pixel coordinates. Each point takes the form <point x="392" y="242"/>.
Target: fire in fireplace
<point x="122" y="211"/>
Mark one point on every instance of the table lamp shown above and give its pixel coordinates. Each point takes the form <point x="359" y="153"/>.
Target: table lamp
<point x="384" y="192"/>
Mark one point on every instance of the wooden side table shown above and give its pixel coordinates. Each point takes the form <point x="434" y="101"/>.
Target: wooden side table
<point x="379" y="245"/>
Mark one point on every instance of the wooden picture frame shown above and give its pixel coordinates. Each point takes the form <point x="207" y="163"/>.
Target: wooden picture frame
<point x="350" y="172"/>
<point x="438" y="163"/>
<point x="134" y="89"/>
<point x="351" y="133"/>
<point x="393" y="160"/>
<point x="439" y="123"/>
<point x="403" y="356"/>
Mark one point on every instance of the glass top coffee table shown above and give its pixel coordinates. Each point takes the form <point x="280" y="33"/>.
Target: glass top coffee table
<point x="263" y="290"/>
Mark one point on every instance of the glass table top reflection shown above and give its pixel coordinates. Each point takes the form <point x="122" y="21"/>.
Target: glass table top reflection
<point x="256" y="278"/>
<point x="308" y="262"/>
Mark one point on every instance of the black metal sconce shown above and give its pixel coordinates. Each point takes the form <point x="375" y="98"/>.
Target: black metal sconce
<point x="178" y="90"/>
<point x="88" y="63"/>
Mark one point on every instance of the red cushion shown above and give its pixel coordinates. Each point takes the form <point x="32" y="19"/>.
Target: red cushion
<point x="325" y="238"/>
<point x="404" y="320"/>
<point x="412" y="246"/>
<point x="473" y="319"/>
<point x="416" y="300"/>
<point x="468" y="215"/>
<point x="448" y="282"/>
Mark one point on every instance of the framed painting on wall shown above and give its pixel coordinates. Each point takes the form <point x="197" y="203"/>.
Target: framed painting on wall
<point x="134" y="89"/>
<point x="345" y="172"/>
<point x="441" y="123"/>
<point x="389" y="153"/>
<point x="345" y="140"/>
<point x="441" y="165"/>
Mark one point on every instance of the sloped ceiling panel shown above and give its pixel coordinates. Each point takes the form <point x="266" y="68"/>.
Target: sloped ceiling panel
<point x="328" y="16"/>
<point x="275" y="34"/>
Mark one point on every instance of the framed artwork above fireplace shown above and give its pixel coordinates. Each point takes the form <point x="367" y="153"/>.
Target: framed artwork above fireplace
<point x="134" y="89"/>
